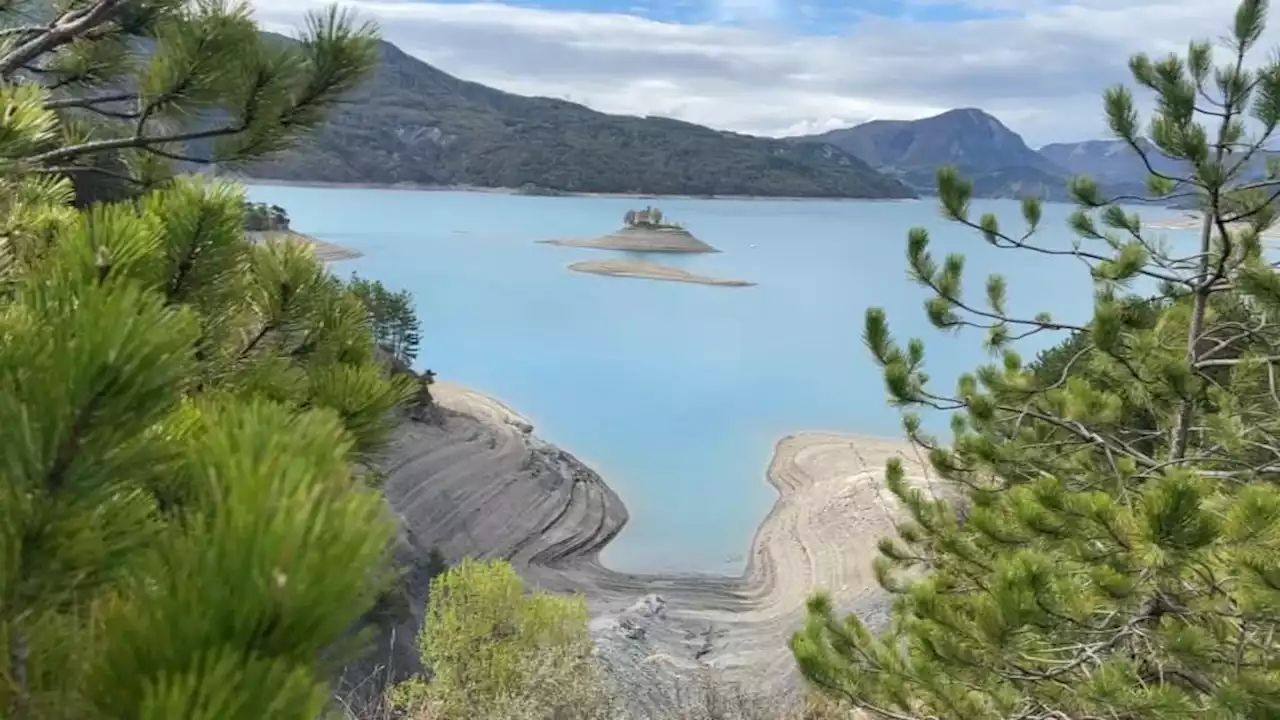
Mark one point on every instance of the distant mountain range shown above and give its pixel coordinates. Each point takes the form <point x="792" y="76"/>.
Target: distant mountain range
<point x="412" y="123"/>
<point x="993" y="156"/>
<point x="415" y="124"/>
<point x="998" y="161"/>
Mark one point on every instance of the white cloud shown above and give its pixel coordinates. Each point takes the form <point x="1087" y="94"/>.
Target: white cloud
<point x="1041" y="72"/>
<point x="746" y="11"/>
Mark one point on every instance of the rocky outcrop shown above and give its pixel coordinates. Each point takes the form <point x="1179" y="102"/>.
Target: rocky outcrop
<point x="390" y="633"/>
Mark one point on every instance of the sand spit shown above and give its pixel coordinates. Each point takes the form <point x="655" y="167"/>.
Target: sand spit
<point x="325" y="251"/>
<point x="643" y="239"/>
<point x="1195" y="221"/>
<point x="651" y="271"/>
<point x="482" y="484"/>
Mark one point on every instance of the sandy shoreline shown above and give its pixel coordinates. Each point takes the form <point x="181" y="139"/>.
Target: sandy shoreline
<point x="483" y="484"/>
<point x="1194" y="221"/>
<point x="641" y="239"/>
<point x="324" y="251"/>
<point x="651" y="271"/>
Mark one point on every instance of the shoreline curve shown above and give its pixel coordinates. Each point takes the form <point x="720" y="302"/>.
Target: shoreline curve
<point x="482" y="484"/>
<point x="325" y="252"/>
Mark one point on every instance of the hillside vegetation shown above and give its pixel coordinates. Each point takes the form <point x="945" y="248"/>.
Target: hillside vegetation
<point x="412" y="123"/>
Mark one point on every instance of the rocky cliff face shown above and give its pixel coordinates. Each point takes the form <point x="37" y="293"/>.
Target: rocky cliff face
<point x="488" y="488"/>
<point x="391" y="633"/>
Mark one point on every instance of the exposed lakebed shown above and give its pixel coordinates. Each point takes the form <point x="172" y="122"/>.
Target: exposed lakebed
<point x="676" y="393"/>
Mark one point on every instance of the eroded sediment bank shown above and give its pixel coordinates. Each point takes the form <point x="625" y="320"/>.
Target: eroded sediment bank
<point x="482" y="484"/>
<point x="324" y="251"/>
<point x="626" y="268"/>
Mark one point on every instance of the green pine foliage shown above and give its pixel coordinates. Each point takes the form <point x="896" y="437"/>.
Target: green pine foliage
<point x="184" y="528"/>
<point x="187" y="417"/>
<point x="262" y="217"/>
<point x="128" y="91"/>
<point x="1118" y="553"/>
<point x="391" y="314"/>
<point x="496" y="652"/>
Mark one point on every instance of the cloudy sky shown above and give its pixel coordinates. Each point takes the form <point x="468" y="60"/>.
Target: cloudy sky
<point x="780" y="67"/>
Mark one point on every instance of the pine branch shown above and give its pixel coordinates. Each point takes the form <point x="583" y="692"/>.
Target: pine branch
<point x="71" y="441"/>
<point x="19" y="666"/>
<point x="97" y="146"/>
<point x="62" y="31"/>
<point x="1022" y="244"/>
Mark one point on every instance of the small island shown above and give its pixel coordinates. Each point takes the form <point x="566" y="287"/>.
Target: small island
<point x="644" y="231"/>
<point x="651" y="271"/>
<point x="264" y="222"/>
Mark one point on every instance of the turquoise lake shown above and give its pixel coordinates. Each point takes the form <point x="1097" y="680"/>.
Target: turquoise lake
<point x="677" y="393"/>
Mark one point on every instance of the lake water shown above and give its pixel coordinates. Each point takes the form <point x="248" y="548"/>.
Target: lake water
<point x="676" y="393"/>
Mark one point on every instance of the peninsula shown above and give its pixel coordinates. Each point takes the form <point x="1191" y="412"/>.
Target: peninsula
<point x="1192" y="221"/>
<point x="265" y="222"/>
<point x="324" y="251"/>
<point x="651" y="271"/>
<point x="644" y="231"/>
<point x="478" y="482"/>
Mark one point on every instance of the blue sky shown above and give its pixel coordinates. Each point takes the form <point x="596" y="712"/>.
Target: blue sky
<point x="786" y="67"/>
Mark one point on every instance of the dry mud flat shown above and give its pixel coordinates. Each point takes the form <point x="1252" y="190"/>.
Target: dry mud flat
<point x="651" y="271"/>
<point x="324" y="251"/>
<point x="482" y="484"/>
<point x="1192" y="221"/>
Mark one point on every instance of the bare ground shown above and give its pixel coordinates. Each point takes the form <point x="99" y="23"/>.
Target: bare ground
<point x="324" y="251"/>
<point x="482" y="484"/>
<point x="651" y="271"/>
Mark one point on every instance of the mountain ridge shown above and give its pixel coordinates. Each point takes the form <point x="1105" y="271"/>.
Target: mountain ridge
<point x="1001" y="164"/>
<point x="412" y="123"/>
<point x="994" y="157"/>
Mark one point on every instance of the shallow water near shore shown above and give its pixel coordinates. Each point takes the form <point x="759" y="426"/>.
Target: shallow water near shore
<point x="676" y="393"/>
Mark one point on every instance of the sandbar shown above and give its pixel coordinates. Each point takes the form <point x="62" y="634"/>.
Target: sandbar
<point x="482" y="484"/>
<point x="643" y="239"/>
<point x="1195" y="221"/>
<point x="651" y="271"/>
<point x="324" y="251"/>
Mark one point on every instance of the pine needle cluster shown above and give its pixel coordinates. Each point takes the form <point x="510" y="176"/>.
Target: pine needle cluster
<point x="187" y="418"/>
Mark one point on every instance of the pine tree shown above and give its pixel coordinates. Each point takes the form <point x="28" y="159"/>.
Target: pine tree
<point x="1109" y="542"/>
<point x="408" y="331"/>
<point x="209" y="89"/>
<point x="392" y="316"/>
<point x="186" y="416"/>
